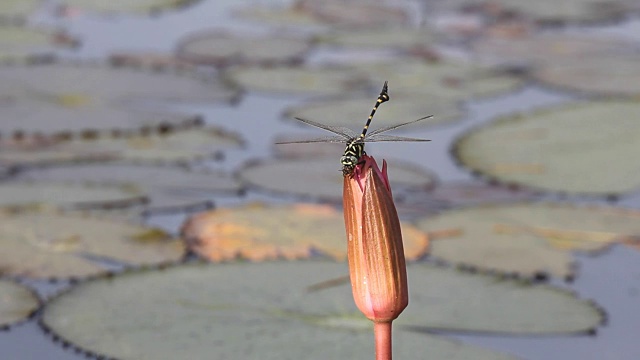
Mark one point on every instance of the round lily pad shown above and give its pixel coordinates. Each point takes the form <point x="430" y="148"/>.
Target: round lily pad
<point x="221" y="48"/>
<point x="567" y="149"/>
<point x="322" y="177"/>
<point x="54" y="245"/>
<point x="548" y="11"/>
<point x="329" y="12"/>
<point x="17" y="9"/>
<point x="176" y="145"/>
<point x="527" y="239"/>
<point x="22" y="44"/>
<point x="380" y="37"/>
<point x="166" y="187"/>
<point x="267" y="311"/>
<point x="611" y="75"/>
<point x="17" y="303"/>
<point x="83" y="97"/>
<point x="259" y="232"/>
<point x="128" y="6"/>
<point x="298" y="81"/>
<point x="440" y="79"/>
<point x="148" y="60"/>
<point x="401" y="108"/>
<point x="548" y="48"/>
<point x="20" y="194"/>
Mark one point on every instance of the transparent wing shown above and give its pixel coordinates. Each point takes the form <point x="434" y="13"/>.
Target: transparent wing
<point x="346" y="133"/>
<point x="327" y="139"/>
<point x="376" y="138"/>
<point x="387" y="128"/>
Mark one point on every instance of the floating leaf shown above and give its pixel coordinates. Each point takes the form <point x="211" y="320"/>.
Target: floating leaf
<point x="402" y="108"/>
<point x="53" y="99"/>
<point x="249" y="310"/>
<point x="129" y="6"/>
<point x="605" y="75"/>
<point x="546" y="11"/>
<point x="314" y="13"/>
<point x="148" y="60"/>
<point x="443" y="79"/>
<point x="53" y="245"/>
<point x="527" y="239"/>
<point x="16" y="303"/>
<point x="17" y="9"/>
<point x="31" y="45"/>
<point x="298" y="81"/>
<point x="381" y="37"/>
<point x="222" y="49"/>
<point x="569" y="149"/>
<point x="166" y="187"/>
<point x="548" y="48"/>
<point x="322" y="177"/>
<point x="72" y="196"/>
<point x="291" y="232"/>
<point x="165" y="146"/>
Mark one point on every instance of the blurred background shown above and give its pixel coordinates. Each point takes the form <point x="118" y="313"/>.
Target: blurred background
<point x="140" y="133"/>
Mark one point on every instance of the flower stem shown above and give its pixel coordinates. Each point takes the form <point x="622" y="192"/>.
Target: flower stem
<point x="382" y="335"/>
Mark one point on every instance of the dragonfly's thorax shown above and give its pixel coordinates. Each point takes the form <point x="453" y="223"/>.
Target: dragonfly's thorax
<point x="352" y="152"/>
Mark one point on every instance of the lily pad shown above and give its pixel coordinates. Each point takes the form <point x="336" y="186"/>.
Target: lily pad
<point x="170" y="145"/>
<point x="30" y="45"/>
<point x="322" y="177"/>
<point x="455" y="81"/>
<point x="121" y="6"/>
<point x="548" y="11"/>
<point x="148" y="60"/>
<point x="166" y="187"/>
<point x="54" y="245"/>
<point x="266" y="311"/>
<point x="549" y="48"/>
<point x="221" y="48"/>
<point x="611" y="75"/>
<point x="77" y="98"/>
<point x="20" y="194"/>
<point x="17" y="9"/>
<point x="325" y="13"/>
<point x="565" y="149"/>
<point x="298" y="81"/>
<point x="259" y="233"/>
<point x="527" y="239"/>
<point x="402" y="108"/>
<point x="381" y="38"/>
<point x="17" y="303"/>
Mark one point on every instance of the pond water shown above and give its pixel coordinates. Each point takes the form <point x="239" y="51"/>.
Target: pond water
<point x="612" y="279"/>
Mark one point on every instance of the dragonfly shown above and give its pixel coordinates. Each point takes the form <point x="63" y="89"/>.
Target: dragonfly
<point x="354" y="149"/>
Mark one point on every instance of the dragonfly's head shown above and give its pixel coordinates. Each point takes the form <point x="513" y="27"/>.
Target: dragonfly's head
<point x="352" y="153"/>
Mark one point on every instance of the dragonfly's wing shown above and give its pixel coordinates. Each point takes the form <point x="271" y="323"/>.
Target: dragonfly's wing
<point x="346" y="133"/>
<point x="387" y="128"/>
<point x="376" y="138"/>
<point x="327" y="139"/>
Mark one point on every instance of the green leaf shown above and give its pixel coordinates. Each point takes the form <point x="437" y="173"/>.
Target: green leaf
<point x="565" y="149"/>
<point x="322" y="177"/>
<point x="78" y="98"/>
<point x="268" y="310"/>
<point x="527" y="239"/>
<point x="53" y="245"/>
<point x="16" y="303"/>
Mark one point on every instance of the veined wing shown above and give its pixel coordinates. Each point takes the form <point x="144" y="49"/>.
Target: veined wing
<point x="327" y="139"/>
<point x="387" y="128"/>
<point x="346" y="133"/>
<point x="379" y="137"/>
